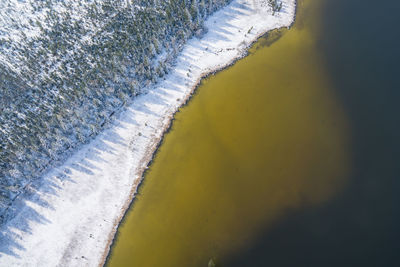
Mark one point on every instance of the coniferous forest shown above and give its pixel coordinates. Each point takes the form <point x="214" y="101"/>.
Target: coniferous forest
<point x="67" y="66"/>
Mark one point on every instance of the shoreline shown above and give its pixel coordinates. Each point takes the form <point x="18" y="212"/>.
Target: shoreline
<point x="158" y="143"/>
<point x="74" y="208"/>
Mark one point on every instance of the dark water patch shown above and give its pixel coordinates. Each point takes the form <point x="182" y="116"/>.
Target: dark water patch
<point x="359" y="44"/>
<point x="269" y="38"/>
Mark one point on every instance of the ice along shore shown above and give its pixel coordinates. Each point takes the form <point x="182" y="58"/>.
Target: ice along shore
<point x="70" y="219"/>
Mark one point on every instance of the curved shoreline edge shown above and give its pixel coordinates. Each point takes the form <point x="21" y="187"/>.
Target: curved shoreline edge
<point x="72" y="216"/>
<point x="152" y="153"/>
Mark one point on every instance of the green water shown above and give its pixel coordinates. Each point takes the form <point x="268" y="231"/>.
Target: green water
<point x="260" y="139"/>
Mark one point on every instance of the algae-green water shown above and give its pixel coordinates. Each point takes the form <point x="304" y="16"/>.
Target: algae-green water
<point x="252" y="169"/>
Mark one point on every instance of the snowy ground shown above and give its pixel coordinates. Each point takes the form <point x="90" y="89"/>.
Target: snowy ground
<point x="70" y="218"/>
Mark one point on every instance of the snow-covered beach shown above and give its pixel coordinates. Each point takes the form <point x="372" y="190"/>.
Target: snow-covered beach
<point x="70" y="219"/>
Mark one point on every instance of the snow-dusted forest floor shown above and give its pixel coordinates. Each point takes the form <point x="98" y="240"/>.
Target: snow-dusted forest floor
<point x="70" y="218"/>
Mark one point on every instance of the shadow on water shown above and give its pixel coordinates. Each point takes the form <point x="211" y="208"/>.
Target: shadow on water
<point x="359" y="226"/>
<point x="269" y="39"/>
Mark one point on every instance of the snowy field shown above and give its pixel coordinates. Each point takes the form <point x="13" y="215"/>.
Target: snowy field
<point x="71" y="217"/>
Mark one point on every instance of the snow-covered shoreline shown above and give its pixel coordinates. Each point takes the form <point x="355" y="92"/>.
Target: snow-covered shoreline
<point x="70" y="219"/>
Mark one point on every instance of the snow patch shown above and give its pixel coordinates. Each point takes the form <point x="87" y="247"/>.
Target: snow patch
<point x="70" y="217"/>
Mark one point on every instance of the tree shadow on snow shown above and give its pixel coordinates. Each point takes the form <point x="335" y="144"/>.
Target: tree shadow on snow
<point x="88" y="162"/>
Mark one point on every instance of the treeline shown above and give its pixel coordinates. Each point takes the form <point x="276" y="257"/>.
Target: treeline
<point x="66" y="69"/>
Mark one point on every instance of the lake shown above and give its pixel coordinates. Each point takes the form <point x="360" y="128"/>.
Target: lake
<point x="288" y="158"/>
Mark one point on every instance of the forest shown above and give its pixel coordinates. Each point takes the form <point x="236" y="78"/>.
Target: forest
<point x="67" y="67"/>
